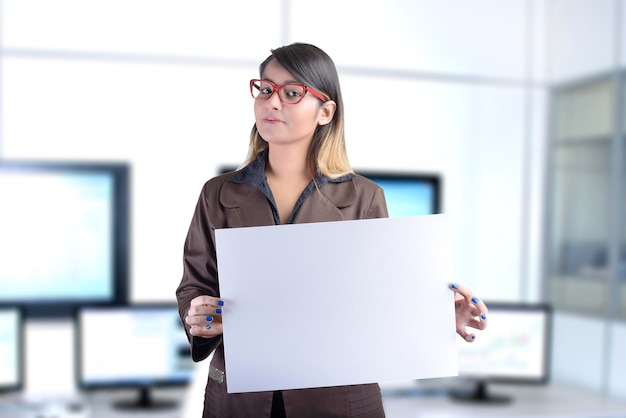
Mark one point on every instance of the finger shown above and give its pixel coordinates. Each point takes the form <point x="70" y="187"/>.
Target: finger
<point x="203" y="319"/>
<point x="205" y="300"/>
<point x="480" y="306"/>
<point x="467" y="336"/>
<point x="482" y="321"/>
<point x="206" y="326"/>
<point x="461" y="290"/>
<point x="478" y="319"/>
<point x="477" y="308"/>
<point x="466" y="294"/>
<point x="477" y="323"/>
<point x="204" y="305"/>
<point x="207" y="331"/>
<point x="204" y="310"/>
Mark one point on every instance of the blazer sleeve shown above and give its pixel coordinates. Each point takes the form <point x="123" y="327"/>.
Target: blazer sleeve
<point x="199" y="271"/>
<point x="378" y="205"/>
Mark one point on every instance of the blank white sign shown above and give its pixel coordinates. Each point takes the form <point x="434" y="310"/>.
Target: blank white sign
<point x="337" y="303"/>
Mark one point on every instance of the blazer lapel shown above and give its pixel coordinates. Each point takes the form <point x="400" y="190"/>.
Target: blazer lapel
<point x="324" y="205"/>
<point x="245" y="205"/>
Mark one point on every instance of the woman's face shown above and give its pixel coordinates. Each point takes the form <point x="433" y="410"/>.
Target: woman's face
<point x="284" y="123"/>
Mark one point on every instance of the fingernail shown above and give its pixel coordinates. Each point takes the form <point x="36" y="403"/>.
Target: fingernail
<point x="209" y="318"/>
<point x="475" y="299"/>
<point x="454" y="286"/>
<point x="208" y="327"/>
<point x="473" y="337"/>
<point x="218" y="310"/>
<point x="483" y="316"/>
<point x="220" y="302"/>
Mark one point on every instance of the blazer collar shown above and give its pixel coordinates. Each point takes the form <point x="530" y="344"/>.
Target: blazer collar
<point x="340" y="191"/>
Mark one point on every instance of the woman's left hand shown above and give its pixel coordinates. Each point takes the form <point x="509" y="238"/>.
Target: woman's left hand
<point x="470" y="312"/>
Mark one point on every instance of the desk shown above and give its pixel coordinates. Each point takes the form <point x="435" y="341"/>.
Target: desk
<point x="547" y="401"/>
<point x="99" y="404"/>
<point x="400" y="402"/>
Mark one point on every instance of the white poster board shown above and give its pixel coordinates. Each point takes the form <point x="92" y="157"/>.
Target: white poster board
<point x="337" y="303"/>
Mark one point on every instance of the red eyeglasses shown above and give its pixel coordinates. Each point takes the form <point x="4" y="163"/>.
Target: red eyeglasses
<point x="291" y="93"/>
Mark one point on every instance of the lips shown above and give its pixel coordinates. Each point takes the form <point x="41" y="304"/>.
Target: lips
<point x="272" y="120"/>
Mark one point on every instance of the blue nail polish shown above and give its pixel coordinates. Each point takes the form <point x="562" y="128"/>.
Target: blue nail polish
<point x="208" y="327"/>
<point x="454" y="286"/>
<point x="209" y="318"/>
<point x="218" y="310"/>
<point x="473" y="337"/>
<point x="483" y="316"/>
<point x="220" y="302"/>
<point x="475" y="299"/>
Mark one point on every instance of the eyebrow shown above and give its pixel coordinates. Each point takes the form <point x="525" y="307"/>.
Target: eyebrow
<point x="287" y="82"/>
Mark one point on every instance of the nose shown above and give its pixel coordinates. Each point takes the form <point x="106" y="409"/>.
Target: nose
<point x="274" y="100"/>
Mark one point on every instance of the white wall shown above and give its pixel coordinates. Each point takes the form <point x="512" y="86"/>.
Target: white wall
<point x="174" y="103"/>
<point x="581" y="38"/>
<point x="163" y="85"/>
<point x="617" y="360"/>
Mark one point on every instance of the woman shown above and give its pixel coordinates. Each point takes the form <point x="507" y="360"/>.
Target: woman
<point x="296" y="171"/>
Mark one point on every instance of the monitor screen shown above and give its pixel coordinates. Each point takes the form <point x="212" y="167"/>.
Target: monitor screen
<point x="63" y="235"/>
<point x="136" y="346"/>
<point x="408" y="194"/>
<point x="514" y="348"/>
<point x="11" y="349"/>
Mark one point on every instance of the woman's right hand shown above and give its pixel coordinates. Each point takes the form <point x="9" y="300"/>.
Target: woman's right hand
<point x="205" y="316"/>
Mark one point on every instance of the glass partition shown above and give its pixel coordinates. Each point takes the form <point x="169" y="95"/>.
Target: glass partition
<point x="621" y="263"/>
<point x="580" y="199"/>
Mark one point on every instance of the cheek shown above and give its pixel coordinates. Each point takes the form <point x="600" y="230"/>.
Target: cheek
<point x="256" y="107"/>
<point x="306" y="116"/>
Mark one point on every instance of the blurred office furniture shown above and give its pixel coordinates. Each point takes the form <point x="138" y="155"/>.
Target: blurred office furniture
<point x="417" y="402"/>
<point x="64" y="239"/>
<point x="585" y="229"/>
<point x="409" y="193"/>
<point x="140" y="347"/>
<point x="553" y="400"/>
<point x="11" y="349"/>
<point x="515" y="349"/>
<point x="586" y="238"/>
<point x="106" y="393"/>
<point x="128" y="360"/>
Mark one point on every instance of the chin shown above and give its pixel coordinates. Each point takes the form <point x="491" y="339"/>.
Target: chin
<point x="271" y="139"/>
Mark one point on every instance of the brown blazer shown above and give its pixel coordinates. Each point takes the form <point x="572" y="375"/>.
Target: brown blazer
<point x="225" y="204"/>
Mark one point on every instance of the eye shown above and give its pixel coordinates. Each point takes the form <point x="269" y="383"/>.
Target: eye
<point x="293" y="91"/>
<point x="265" y="89"/>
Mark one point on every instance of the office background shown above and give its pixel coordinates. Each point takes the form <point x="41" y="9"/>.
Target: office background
<point x="459" y="88"/>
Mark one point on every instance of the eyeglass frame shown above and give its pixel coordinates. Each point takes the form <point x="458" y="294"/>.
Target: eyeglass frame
<point x="276" y="89"/>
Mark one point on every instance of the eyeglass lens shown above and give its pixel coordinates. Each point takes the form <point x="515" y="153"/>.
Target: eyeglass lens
<point x="288" y="93"/>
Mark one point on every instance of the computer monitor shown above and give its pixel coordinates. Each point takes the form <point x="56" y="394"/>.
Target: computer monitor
<point x="140" y="346"/>
<point x="64" y="235"/>
<point x="11" y="349"/>
<point x="514" y="348"/>
<point x="407" y="193"/>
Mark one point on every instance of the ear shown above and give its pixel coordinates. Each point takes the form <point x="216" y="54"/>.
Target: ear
<point x="326" y="112"/>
